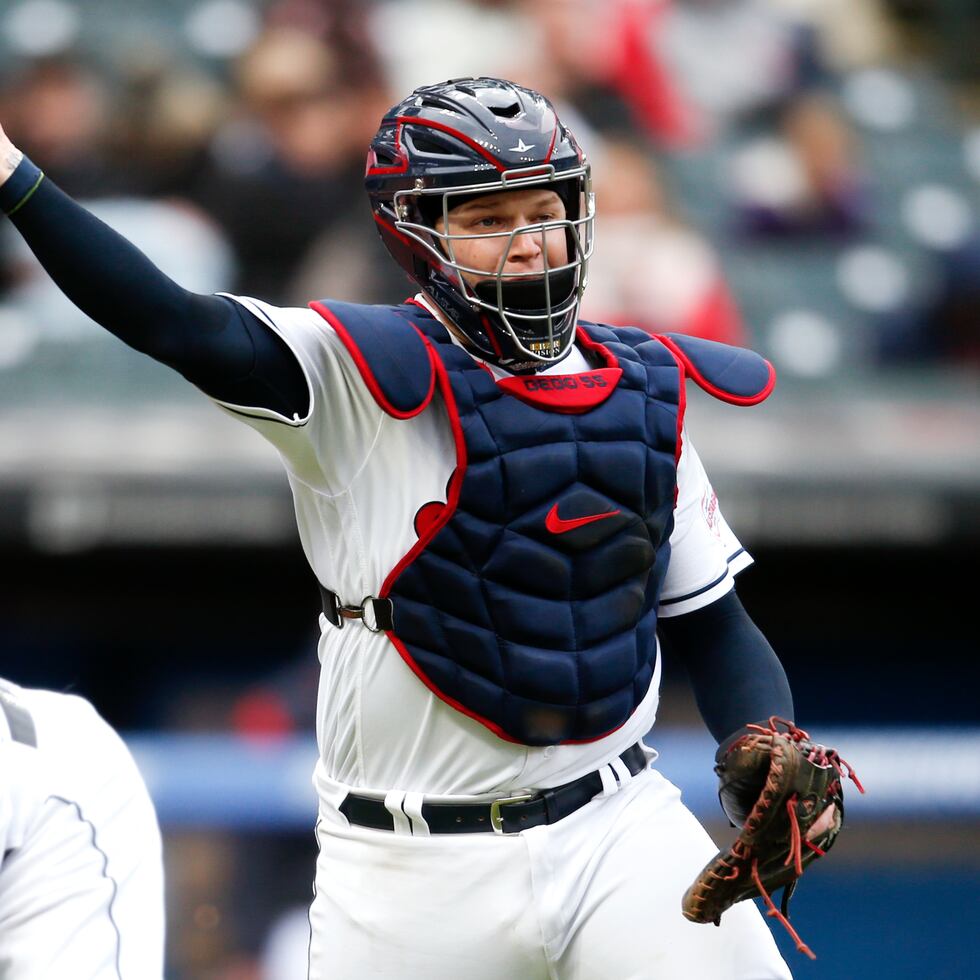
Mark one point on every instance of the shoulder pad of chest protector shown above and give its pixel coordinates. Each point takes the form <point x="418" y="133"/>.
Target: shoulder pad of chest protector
<point x="733" y="374"/>
<point x="390" y="352"/>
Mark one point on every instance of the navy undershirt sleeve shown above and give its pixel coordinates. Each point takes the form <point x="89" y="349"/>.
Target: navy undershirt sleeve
<point x="736" y="675"/>
<point x="215" y="343"/>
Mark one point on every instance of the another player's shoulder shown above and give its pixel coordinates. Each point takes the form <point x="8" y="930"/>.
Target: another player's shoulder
<point x="60" y="718"/>
<point x="16" y="721"/>
<point x="60" y="727"/>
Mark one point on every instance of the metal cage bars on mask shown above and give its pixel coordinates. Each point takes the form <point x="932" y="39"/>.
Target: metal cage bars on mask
<point x="575" y="229"/>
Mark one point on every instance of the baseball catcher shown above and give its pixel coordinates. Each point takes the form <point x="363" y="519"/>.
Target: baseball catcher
<point x="506" y="514"/>
<point x="785" y="793"/>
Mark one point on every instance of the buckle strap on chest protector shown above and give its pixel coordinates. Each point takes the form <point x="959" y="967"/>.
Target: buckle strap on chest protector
<point x="376" y="615"/>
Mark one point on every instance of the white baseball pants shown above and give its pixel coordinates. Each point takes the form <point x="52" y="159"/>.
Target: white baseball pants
<point x="595" y="896"/>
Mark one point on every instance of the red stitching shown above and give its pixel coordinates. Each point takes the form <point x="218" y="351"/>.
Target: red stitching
<point x="773" y="911"/>
<point x="795" y="856"/>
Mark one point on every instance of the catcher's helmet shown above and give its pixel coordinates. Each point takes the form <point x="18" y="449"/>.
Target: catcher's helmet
<point x="468" y="137"/>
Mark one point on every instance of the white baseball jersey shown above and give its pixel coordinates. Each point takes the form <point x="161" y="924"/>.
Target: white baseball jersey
<point x="358" y="477"/>
<point x="81" y="878"/>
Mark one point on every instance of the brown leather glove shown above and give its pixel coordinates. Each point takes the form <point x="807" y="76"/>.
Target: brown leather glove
<point x="775" y="784"/>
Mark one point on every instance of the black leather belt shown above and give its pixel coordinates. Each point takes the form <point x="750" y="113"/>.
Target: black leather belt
<point x="508" y="815"/>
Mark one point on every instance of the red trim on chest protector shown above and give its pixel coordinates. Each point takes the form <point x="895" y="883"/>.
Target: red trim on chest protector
<point x="691" y="371"/>
<point x="433" y="526"/>
<point x="681" y="409"/>
<point x="600" y="350"/>
<point x="365" y="369"/>
<point x="568" y="394"/>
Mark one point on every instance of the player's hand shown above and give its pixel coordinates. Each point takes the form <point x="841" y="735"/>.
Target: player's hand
<point x="826" y="821"/>
<point x="10" y="156"/>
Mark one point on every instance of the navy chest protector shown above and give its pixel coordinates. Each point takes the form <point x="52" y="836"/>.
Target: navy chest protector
<point x="529" y="601"/>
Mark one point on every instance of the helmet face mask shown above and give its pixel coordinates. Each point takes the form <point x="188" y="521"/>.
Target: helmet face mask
<point x="421" y="168"/>
<point x="535" y="312"/>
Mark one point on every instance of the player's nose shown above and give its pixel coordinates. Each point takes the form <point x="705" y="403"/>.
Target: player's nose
<point x="526" y="246"/>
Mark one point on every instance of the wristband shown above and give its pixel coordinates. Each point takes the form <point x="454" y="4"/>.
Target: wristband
<point x="16" y="191"/>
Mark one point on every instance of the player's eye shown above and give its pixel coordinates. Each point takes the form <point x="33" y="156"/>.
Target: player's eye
<point x="488" y="222"/>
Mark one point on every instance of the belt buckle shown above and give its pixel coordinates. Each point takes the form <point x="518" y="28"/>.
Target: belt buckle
<point x="496" y="820"/>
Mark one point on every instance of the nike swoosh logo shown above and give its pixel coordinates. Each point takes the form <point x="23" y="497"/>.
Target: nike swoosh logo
<point x="557" y="525"/>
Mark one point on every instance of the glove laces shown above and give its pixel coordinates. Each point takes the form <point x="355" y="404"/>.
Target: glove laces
<point x="819" y="755"/>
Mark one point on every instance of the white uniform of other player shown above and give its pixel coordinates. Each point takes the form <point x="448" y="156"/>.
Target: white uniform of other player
<point x="553" y="901"/>
<point x="81" y="879"/>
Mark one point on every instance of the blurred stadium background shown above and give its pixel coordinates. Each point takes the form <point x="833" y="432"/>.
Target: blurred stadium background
<point x="798" y="175"/>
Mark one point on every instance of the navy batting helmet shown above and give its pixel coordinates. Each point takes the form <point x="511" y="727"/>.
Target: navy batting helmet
<point x="468" y="137"/>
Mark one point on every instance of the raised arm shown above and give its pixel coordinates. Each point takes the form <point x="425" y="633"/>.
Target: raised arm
<point x="212" y="341"/>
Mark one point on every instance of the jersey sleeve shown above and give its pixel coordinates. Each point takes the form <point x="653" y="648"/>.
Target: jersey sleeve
<point x="705" y="555"/>
<point x="327" y="447"/>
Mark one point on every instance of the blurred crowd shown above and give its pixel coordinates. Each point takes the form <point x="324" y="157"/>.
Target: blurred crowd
<point x="734" y="143"/>
<point x="796" y="175"/>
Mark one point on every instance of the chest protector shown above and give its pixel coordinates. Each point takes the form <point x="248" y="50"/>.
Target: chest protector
<point x="529" y="601"/>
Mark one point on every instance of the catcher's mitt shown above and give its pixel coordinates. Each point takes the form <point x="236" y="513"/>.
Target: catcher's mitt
<point x="775" y="785"/>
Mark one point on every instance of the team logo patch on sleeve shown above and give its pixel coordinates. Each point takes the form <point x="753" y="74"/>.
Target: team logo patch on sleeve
<point x="710" y="512"/>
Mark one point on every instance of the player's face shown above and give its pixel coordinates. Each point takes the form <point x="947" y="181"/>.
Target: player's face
<point x="486" y="217"/>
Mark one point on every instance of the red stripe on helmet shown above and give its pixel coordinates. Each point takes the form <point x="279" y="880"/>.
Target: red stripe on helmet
<point x="534" y="173"/>
<point x="482" y="150"/>
<point x="402" y="165"/>
<point x="401" y="237"/>
<point x="554" y="139"/>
